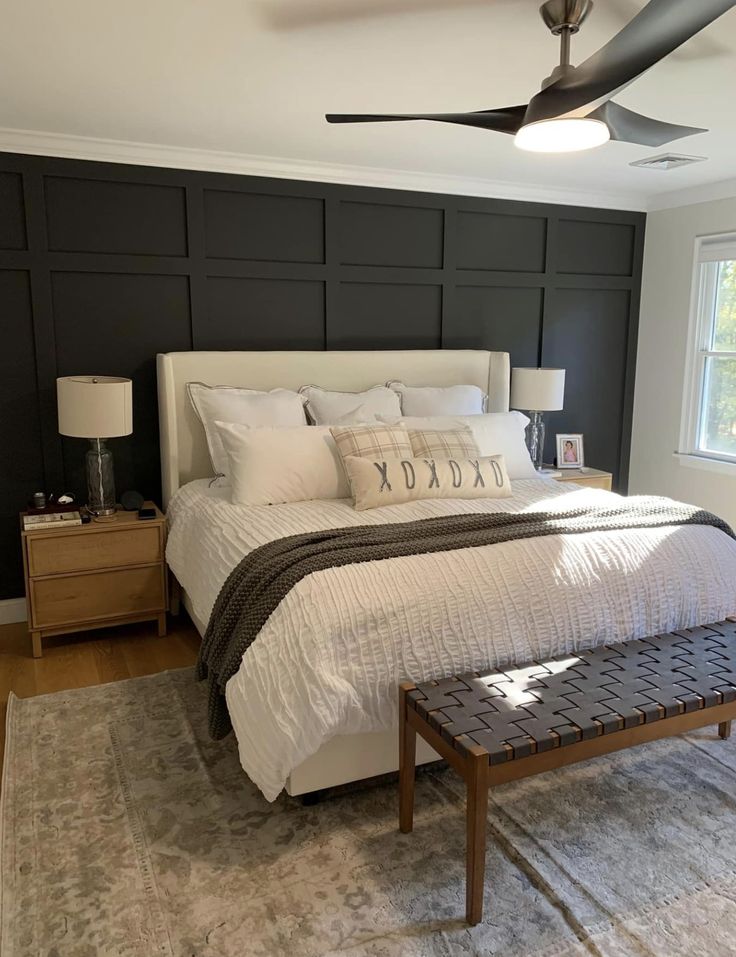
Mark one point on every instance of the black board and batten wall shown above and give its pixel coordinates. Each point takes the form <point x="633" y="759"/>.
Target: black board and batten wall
<point x="104" y="265"/>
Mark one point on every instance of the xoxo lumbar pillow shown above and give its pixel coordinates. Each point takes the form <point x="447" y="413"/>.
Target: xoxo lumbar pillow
<point x="394" y="481"/>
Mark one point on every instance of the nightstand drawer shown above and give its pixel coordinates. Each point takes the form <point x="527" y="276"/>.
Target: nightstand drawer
<point x="49" y="555"/>
<point x="596" y="481"/>
<point x="591" y="478"/>
<point x="97" y="596"/>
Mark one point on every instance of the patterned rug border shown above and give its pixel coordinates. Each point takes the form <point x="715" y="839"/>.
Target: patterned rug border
<point x="11" y="717"/>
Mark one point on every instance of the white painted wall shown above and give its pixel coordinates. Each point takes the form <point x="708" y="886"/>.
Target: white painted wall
<point x="660" y="369"/>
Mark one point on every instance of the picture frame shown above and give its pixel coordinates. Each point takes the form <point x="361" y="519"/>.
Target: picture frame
<point x="570" y="454"/>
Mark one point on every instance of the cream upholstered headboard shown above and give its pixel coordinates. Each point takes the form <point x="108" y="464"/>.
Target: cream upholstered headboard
<point x="183" y="449"/>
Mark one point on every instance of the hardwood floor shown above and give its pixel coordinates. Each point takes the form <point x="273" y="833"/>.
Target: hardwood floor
<point x="89" y="658"/>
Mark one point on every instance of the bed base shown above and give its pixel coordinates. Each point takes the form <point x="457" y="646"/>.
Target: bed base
<point x="352" y="757"/>
<point x="381" y="780"/>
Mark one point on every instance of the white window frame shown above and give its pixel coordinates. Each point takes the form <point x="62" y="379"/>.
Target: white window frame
<point x="708" y="249"/>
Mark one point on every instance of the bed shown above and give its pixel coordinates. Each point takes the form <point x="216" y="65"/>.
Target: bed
<point x="314" y="702"/>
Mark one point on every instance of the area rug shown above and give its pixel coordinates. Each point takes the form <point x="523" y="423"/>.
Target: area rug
<point x="126" y="832"/>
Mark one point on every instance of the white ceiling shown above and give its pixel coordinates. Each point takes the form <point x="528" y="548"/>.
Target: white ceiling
<point x="256" y="76"/>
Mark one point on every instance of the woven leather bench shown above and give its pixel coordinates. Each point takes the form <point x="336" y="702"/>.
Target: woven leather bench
<point x="504" y="725"/>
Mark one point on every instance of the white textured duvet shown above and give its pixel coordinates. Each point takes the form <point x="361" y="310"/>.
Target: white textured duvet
<point x="329" y="659"/>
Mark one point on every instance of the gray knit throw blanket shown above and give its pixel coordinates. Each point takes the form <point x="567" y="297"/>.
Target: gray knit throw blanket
<point x="264" y="577"/>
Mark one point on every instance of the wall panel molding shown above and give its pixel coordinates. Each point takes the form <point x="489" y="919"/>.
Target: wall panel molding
<point x="106" y="264"/>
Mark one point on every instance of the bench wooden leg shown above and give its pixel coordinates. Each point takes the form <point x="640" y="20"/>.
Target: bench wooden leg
<point x="477" y="812"/>
<point x="407" y="763"/>
<point x="724" y="729"/>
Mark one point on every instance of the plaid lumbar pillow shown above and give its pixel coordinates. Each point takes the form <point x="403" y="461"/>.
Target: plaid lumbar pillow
<point x="376" y="441"/>
<point x="456" y="443"/>
<point x="394" y="481"/>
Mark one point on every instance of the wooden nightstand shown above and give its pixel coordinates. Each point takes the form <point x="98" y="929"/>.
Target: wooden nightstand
<point x="593" y="478"/>
<point x="92" y="576"/>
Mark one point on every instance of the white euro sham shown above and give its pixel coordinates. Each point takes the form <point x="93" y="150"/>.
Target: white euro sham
<point x="279" y="408"/>
<point x="345" y="408"/>
<point x="440" y="400"/>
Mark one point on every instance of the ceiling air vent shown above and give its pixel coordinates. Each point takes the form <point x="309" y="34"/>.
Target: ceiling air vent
<point x="668" y="161"/>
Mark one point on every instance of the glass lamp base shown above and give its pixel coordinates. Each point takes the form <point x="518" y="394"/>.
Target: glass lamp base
<point x="535" y="433"/>
<point x="100" y="479"/>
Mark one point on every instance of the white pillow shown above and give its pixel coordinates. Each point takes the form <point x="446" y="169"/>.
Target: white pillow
<point x="392" y="481"/>
<point x="495" y="433"/>
<point x="360" y="415"/>
<point x="280" y="408"/>
<point x="329" y="408"/>
<point x="272" y="466"/>
<point x="448" y="400"/>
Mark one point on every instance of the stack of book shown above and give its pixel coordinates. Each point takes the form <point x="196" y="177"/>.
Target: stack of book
<point x="43" y="520"/>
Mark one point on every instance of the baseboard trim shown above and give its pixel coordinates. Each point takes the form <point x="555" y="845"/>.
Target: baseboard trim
<point x="36" y="142"/>
<point x="13" y="610"/>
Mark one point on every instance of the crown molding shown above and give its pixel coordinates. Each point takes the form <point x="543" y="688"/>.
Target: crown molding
<point x="707" y="193"/>
<point x="182" y="157"/>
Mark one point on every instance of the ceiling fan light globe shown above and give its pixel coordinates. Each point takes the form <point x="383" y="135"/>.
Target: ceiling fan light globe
<point x="571" y="135"/>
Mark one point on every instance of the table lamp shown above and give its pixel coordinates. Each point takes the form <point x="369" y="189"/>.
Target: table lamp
<point x="537" y="391"/>
<point x="96" y="408"/>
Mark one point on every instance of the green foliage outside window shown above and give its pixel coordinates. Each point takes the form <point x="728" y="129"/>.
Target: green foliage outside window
<point x="719" y="399"/>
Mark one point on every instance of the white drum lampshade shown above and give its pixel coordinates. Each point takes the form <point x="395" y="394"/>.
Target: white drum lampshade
<point x="96" y="408"/>
<point x="538" y="390"/>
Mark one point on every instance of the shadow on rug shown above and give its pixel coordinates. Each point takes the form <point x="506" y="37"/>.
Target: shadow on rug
<point x="126" y="832"/>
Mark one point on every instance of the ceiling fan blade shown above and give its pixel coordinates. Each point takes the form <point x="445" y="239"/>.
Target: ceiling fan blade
<point x="506" y="120"/>
<point x="699" y="48"/>
<point x="629" y="127"/>
<point x="661" y="27"/>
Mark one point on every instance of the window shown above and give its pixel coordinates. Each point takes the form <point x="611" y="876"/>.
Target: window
<point x="709" y="412"/>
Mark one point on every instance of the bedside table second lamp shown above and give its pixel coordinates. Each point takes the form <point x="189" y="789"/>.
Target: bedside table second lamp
<point x="96" y="408"/>
<point x="537" y="391"/>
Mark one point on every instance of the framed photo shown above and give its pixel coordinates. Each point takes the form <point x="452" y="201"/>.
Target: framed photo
<point x="570" y="451"/>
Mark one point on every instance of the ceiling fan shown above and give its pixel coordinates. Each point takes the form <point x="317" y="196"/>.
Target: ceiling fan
<point x="574" y="109"/>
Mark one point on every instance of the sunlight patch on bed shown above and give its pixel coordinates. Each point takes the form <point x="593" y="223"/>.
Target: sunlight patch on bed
<point x="569" y="499"/>
<point x="577" y="563"/>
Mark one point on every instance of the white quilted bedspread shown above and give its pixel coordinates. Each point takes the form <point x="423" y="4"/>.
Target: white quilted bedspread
<point x="330" y="657"/>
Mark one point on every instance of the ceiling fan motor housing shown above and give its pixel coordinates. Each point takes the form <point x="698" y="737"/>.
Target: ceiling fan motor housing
<point x="560" y="15"/>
